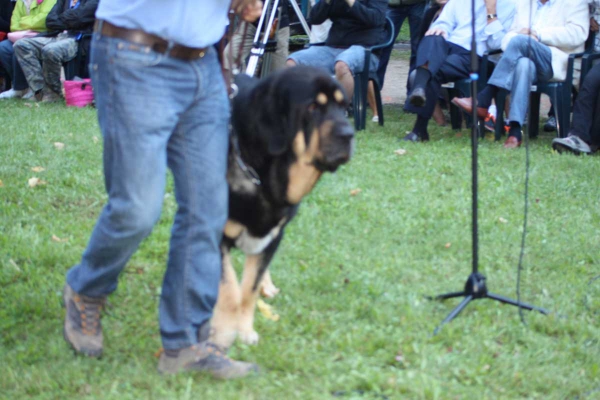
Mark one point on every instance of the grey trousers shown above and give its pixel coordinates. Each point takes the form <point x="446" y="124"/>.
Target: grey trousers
<point x="525" y="62"/>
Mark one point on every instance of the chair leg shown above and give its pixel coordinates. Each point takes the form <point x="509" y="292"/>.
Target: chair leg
<point x="357" y="105"/>
<point x="455" y="112"/>
<point x="378" y="103"/>
<point x="500" y="103"/>
<point x="565" y="113"/>
<point x="534" y="114"/>
<point x="361" y="84"/>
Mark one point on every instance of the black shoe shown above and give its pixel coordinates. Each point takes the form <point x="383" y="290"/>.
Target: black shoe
<point x="550" y="125"/>
<point x="415" y="137"/>
<point x="417" y="97"/>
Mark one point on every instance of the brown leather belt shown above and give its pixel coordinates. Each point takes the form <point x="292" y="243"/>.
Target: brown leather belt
<point x="154" y="42"/>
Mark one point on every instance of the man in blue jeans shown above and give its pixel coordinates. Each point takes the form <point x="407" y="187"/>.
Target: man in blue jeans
<point x="161" y="102"/>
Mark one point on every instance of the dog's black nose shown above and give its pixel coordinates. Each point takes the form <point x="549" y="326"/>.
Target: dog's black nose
<point x="345" y="130"/>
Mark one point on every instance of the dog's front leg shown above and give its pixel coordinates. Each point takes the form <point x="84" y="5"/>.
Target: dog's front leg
<point x="254" y="270"/>
<point x="227" y="310"/>
<point x="250" y="285"/>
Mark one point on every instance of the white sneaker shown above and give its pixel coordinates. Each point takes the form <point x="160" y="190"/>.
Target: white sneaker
<point x="28" y="95"/>
<point x="13" y="94"/>
<point x="375" y="118"/>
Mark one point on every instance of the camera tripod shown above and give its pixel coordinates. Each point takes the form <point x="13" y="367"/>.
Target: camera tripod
<point x="261" y="37"/>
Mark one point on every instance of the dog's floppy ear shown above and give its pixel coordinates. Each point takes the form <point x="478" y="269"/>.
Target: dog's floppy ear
<point x="279" y="113"/>
<point x="283" y="135"/>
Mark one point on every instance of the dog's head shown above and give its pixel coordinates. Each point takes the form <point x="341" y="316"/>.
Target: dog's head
<point x="298" y="112"/>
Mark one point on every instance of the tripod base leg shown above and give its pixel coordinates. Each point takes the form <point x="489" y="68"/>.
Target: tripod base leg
<point x="454" y="312"/>
<point x="512" y="302"/>
<point x="450" y="295"/>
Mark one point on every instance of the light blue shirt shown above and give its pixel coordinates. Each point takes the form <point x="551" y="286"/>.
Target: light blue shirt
<point x="455" y="19"/>
<point x="192" y="23"/>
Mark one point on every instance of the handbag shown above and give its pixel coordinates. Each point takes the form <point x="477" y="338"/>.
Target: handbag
<point x="79" y="93"/>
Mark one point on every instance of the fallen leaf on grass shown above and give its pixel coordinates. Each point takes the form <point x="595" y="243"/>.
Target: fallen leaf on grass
<point x="447" y="245"/>
<point x="37" y="105"/>
<point x="1" y="184"/>
<point x="399" y="357"/>
<point x="59" y="145"/>
<point x="14" y="265"/>
<point x="502" y="220"/>
<point x="266" y="310"/>
<point x="59" y="240"/>
<point x="38" y="169"/>
<point x="33" y="182"/>
<point x="95" y="139"/>
<point x="28" y="105"/>
<point x="354" y="192"/>
<point x="400" y="152"/>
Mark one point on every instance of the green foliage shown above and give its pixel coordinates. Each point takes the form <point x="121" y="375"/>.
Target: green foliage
<point x="354" y="272"/>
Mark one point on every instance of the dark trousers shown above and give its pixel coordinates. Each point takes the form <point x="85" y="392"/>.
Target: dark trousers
<point x="586" y="112"/>
<point x="447" y="62"/>
<point x="8" y="62"/>
<point x="398" y="15"/>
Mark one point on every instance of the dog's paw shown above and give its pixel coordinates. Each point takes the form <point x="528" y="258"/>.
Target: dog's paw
<point x="267" y="287"/>
<point x="269" y="291"/>
<point x="248" y="337"/>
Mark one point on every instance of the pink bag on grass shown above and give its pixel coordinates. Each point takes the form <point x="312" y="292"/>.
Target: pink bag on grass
<point x="79" y="93"/>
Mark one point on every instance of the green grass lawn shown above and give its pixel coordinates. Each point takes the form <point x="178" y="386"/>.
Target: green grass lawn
<point x="354" y="272"/>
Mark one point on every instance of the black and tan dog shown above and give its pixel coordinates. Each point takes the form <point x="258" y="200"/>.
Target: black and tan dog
<point x="288" y="129"/>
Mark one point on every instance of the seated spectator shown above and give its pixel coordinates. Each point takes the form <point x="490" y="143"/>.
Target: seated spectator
<point x="355" y="24"/>
<point x="536" y="54"/>
<point x="550" y="125"/>
<point x="594" y="21"/>
<point x="444" y="54"/>
<point x="41" y="57"/>
<point x="6" y="10"/>
<point x="278" y="58"/>
<point x="6" y="7"/>
<point x="398" y="11"/>
<point x="28" y="19"/>
<point x="584" y="136"/>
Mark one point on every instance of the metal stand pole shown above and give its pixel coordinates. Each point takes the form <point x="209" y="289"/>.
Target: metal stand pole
<point x="475" y="287"/>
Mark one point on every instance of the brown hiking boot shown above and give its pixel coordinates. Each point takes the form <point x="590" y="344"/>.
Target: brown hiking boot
<point x="204" y="356"/>
<point x="83" y="330"/>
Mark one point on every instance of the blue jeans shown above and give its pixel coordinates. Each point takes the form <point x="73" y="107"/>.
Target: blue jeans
<point x="325" y="57"/>
<point x="414" y="13"/>
<point x="157" y="112"/>
<point x="524" y="63"/>
<point x="9" y="62"/>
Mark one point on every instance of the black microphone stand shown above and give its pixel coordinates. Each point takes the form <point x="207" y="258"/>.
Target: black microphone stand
<point x="475" y="287"/>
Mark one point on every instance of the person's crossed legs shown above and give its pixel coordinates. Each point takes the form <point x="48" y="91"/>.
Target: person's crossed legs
<point x="343" y="63"/>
